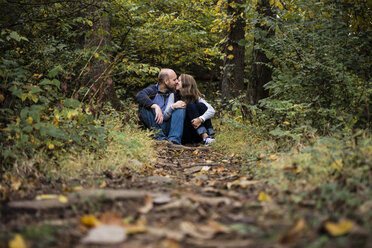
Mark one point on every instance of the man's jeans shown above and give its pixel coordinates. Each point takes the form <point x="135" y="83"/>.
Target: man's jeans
<point x="171" y="129"/>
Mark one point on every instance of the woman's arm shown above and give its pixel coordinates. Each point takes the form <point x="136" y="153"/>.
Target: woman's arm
<point x="169" y="109"/>
<point x="209" y="113"/>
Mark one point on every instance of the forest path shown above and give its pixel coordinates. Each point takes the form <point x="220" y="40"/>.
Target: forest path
<point x="191" y="197"/>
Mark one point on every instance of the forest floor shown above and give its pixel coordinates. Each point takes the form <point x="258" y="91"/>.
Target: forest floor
<point x="191" y="197"/>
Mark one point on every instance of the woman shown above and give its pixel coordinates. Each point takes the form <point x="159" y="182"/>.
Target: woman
<point x="197" y="126"/>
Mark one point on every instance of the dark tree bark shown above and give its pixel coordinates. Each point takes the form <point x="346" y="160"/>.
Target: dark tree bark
<point x="103" y="87"/>
<point x="233" y="66"/>
<point x="261" y="73"/>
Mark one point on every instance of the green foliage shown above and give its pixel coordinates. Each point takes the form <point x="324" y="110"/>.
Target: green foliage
<point x="321" y="65"/>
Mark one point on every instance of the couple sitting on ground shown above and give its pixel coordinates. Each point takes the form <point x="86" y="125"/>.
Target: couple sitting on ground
<point x="175" y="109"/>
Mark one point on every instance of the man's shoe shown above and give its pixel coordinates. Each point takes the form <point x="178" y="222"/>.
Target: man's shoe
<point x="208" y="140"/>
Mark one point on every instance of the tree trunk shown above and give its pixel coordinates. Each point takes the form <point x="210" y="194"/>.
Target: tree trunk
<point x="261" y="73"/>
<point x="233" y="66"/>
<point x="102" y="84"/>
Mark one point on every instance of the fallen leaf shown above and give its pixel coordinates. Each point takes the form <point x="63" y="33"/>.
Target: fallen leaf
<point x="111" y="218"/>
<point x="208" y="161"/>
<point x="17" y="242"/>
<point x="103" y="185"/>
<point x="218" y="226"/>
<point x="15" y="183"/>
<point x="294" y="233"/>
<point x="148" y="205"/>
<point x="195" y="152"/>
<point x="340" y="228"/>
<point x="263" y="197"/>
<point x="139" y="227"/>
<point x="164" y="232"/>
<point x="219" y="169"/>
<point x="62" y="199"/>
<point x="201" y="232"/>
<point x="46" y="197"/>
<point x="169" y="243"/>
<point x="90" y="220"/>
<point x="205" y="168"/>
<point x="274" y="157"/>
<point x="77" y="188"/>
<point x="242" y="182"/>
<point x="105" y="235"/>
<point x="2" y="98"/>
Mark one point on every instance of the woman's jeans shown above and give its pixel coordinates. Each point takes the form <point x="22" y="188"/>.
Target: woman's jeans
<point x="190" y="134"/>
<point x="171" y="129"/>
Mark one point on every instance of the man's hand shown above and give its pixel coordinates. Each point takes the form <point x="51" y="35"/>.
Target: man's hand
<point x="158" y="114"/>
<point x="179" y="104"/>
<point x="196" y="122"/>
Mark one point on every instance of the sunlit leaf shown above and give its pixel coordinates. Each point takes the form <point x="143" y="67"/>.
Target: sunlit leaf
<point x="263" y="197"/>
<point x="15" y="183"/>
<point x="77" y="188"/>
<point x="90" y="220"/>
<point x="337" y="165"/>
<point x="46" y="197"/>
<point x="195" y="152"/>
<point x="340" y="228"/>
<point x="17" y="242"/>
<point x="62" y="199"/>
<point x="103" y="185"/>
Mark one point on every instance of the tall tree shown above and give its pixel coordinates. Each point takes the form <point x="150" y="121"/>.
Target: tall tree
<point x="233" y="66"/>
<point x="261" y="72"/>
<point x="102" y="84"/>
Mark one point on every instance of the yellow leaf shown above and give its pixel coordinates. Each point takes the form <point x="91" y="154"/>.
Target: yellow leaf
<point x="103" y="185"/>
<point x="29" y="120"/>
<point x="50" y="146"/>
<point x="340" y="228"/>
<point x="72" y="114"/>
<point x="195" y="152"/>
<point x="337" y="165"/>
<point x="263" y="197"/>
<point x="230" y="48"/>
<point x="96" y="55"/>
<point x="2" y="98"/>
<point x="135" y="228"/>
<point x="46" y="197"/>
<point x="77" y="188"/>
<point x="286" y="122"/>
<point x="17" y="242"/>
<point x="230" y="56"/>
<point x="90" y="220"/>
<point x="62" y="199"/>
<point x="15" y="183"/>
<point x="90" y="23"/>
<point x="55" y="121"/>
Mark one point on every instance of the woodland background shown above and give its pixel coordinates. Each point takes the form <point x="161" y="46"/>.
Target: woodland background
<point x="290" y="80"/>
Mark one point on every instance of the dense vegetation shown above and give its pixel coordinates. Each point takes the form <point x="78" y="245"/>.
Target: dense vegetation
<point x="70" y="70"/>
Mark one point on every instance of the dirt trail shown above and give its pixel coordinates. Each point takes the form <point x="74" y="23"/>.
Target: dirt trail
<point x="192" y="197"/>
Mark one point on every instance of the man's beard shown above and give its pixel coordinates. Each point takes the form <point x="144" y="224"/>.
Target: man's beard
<point x="169" y="88"/>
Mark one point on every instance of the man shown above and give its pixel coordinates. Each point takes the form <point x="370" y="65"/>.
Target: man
<point x="152" y="103"/>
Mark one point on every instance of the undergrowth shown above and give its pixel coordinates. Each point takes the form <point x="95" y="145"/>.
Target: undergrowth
<point x="330" y="174"/>
<point x="122" y="146"/>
